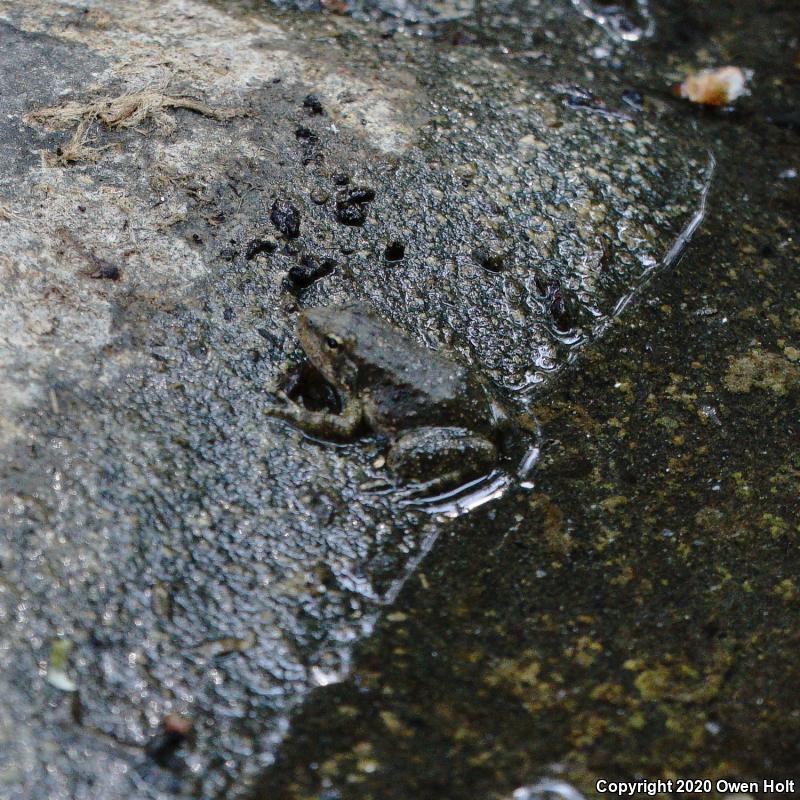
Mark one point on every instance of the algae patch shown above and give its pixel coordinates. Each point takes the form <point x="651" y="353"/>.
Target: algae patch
<point x="762" y="370"/>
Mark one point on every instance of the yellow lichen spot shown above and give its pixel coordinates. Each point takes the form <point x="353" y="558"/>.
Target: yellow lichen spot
<point x="587" y="730"/>
<point x="625" y="576"/>
<point x="362" y="748"/>
<point x="614" y="502"/>
<point x="777" y="526"/>
<point x="395" y="725"/>
<point x="609" y="692"/>
<point x="786" y="590"/>
<point x="555" y="534"/>
<point x="637" y="720"/>
<point x="653" y="684"/>
<point x="585" y="651"/>
<point x="762" y="370"/>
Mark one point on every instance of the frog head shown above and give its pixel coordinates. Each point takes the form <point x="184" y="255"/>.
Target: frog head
<point x="329" y="337"/>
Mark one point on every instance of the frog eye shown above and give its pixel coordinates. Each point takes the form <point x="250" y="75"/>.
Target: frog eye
<point x="332" y="342"/>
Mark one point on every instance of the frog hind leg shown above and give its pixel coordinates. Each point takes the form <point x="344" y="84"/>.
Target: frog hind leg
<point x="439" y="458"/>
<point x="322" y="424"/>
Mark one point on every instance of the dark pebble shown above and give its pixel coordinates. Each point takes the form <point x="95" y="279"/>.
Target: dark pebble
<point x="258" y="246"/>
<point x="106" y="272"/>
<point x="197" y="349"/>
<point x="490" y="260"/>
<point x="351" y="214"/>
<point x="395" y="251"/>
<point x="356" y="194"/>
<point x="560" y="313"/>
<point x="309" y="270"/>
<point x="340" y="179"/>
<point x="313" y="104"/>
<point x="286" y="218"/>
<point x="305" y="134"/>
<point x="162" y="749"/>
<point x="351" y="204"/>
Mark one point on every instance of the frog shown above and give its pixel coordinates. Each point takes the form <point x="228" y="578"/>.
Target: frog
<point x="443" y="424"/>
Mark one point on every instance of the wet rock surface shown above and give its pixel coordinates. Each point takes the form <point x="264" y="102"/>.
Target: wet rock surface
<point x="635" y="615"/>
<point x="212" y="565"/>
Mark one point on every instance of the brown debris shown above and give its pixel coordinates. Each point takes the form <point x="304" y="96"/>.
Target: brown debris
<point x="714" y="87"/>
<point x="126" y="111"/>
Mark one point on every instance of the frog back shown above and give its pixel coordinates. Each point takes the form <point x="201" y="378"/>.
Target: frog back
<point x="405" y="385"/>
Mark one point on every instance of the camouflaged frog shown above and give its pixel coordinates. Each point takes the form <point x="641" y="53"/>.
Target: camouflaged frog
<point x="441" y="421"/>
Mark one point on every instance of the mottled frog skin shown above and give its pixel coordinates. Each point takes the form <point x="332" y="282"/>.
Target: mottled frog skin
<point x="441" y="421"/>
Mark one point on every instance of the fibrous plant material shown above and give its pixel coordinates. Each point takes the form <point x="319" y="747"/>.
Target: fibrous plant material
<point x="125" y="111"/>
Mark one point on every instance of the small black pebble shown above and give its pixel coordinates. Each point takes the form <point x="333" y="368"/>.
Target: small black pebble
<point x="106" y="272"/>
<point x="305" y="134"/>
<point x="351" y="204"/>
<point x="227" y="314"/>
<point x="257" y="246"/>
<point x="82" y="209"/>
<point x="162" y="748"/>
<point x="313" y="104"/>
<point x="395" y="251"/>
<point x="357" y="194"/>
<point x="340" y="179"/>
<point x="310" y="270"/>
<point x="286" y="218"/>
<point x="490" y="260"/>
<point x="351" y="214"/>
<point x="463" y="37"/>
<point x="559" y="312"/>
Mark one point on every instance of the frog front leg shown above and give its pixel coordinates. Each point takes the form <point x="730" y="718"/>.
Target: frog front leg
<point x="322" y="424"/>
<point x="441" y="457"/>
